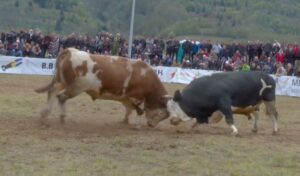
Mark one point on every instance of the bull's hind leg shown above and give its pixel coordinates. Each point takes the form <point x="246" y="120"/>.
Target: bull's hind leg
<point x="62" y="106"/>
<point x="63" y="96"/>
<point x="272" y="113"/>
<point x="256" y="116"/>
<point x="51" y="99"/>
<point x="129" y="109"/>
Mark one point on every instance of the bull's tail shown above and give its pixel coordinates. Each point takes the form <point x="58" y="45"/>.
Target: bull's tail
<point x="47" y="87"/>
<point x="55" y="78"/>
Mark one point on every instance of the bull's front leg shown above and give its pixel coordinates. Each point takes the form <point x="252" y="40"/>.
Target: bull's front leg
<point x="226" y="110"/>
<point x="230" y="121"/>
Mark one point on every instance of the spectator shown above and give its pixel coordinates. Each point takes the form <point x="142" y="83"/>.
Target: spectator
<point x="168" y="61"/>
<point x="189" y="53"/>
<point x="36" y="51"/>
<point x="15" y="50"/>
<point x="3" y="51"/>
<point x="280" y="70"/>
<point x="268" y="66"/>
<point x="245" y="67"/>
<point x="180" y="54"/>
<point x="297" y="60"/>
<point x="54" y="46"/>
<point x="289" y="69"/>
<point x="280" y="56"/>
<point x="27" y="50"/>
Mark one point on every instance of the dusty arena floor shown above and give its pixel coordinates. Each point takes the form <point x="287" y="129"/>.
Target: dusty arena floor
<point x="95" y="142"/>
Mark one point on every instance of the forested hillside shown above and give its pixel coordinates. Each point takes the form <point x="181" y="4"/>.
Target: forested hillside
<point x="216" y="19"/>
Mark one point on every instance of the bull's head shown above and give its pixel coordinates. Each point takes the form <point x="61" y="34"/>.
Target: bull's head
<point x="156" y="115"/>
<point x="177" y="115"/>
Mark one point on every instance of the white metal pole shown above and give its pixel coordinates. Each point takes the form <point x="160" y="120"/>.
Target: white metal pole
<point x="131" y="29"/>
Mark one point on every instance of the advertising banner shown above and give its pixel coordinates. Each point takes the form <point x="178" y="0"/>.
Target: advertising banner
<point x="285" y="85"/>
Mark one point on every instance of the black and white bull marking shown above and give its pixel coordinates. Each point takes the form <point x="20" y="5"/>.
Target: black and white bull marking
<point x="210" y="98"/>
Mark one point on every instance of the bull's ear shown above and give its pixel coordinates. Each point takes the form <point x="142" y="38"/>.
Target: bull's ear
<point x="177" y="96"/>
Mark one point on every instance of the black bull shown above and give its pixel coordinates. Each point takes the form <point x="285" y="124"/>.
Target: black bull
<point x="226" y="93"/>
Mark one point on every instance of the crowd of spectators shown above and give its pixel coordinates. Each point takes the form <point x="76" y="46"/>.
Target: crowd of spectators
<point x="272" y="58"/>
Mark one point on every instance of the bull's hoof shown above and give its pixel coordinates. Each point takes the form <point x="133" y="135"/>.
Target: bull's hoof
<point x="62" y="119"/>
<point x="139" y="112"/>
<point x="175" y="121"/>
<point x="275" y="133"/>
<point x="44" y="123"/>
<point x="44" y="113"/>
<point x="125" y="121"/>
<point x="235" y="133"/>
<point x="136" y="127"/>
<point x="254" y="130"/>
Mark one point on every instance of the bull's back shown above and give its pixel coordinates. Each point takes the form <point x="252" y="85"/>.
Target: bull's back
<point x="243" y="88"/>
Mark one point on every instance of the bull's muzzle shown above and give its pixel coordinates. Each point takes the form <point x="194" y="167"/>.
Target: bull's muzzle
<point x="175" y="120"/>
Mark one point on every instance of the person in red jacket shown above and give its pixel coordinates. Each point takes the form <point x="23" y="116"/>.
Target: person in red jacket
<point x="280" y="56"/>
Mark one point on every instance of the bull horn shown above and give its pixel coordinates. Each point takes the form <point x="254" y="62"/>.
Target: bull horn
<point x="168" y="96"/>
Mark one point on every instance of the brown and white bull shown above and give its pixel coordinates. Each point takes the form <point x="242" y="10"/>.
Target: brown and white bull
<point x="131" y="82"/>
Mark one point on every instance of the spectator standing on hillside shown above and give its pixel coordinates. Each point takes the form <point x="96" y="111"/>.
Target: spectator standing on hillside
<point x="297" y="60"/>
<point x="289" y="55"/>
<point x="180" y="54"/>
<point x="36" y="51"/>
<point x="169" y="47"/>
<point x="27" y="50"/>
<point x="195" y="48"/>
<point x="289" y="69"/>
<point x="267" y="49"/>
<point x="280" y="70"/>
<point x="250" y="51"/>
<point x="15" y="49"/>
<point x="168" y="61"/>
<point x="216" y="48"/>
<point x="280" y="56"/>
<point x="54" y="46"/>
<point x="3" y="51"/>
<point x="116" y="45"/>
<point x="268" y="66"/>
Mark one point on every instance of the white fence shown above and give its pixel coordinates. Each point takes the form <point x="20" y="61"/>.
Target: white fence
<point x="286" y="85"/>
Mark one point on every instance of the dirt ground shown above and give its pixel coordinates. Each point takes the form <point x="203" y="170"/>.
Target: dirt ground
<point x="95" y="142"/>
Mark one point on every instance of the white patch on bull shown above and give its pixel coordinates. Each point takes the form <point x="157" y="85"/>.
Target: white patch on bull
<point x="234" y="129"/>
<point x="176" y="113"/>
<point x="90" y="80"/>
<point x="264" y="86"/>
<point x="78" y="57"/>
<point x="113" y="58"/>
<point x="144" y="71"/>
<point x="127" y="80"/>
<point x="142" y="105"/>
